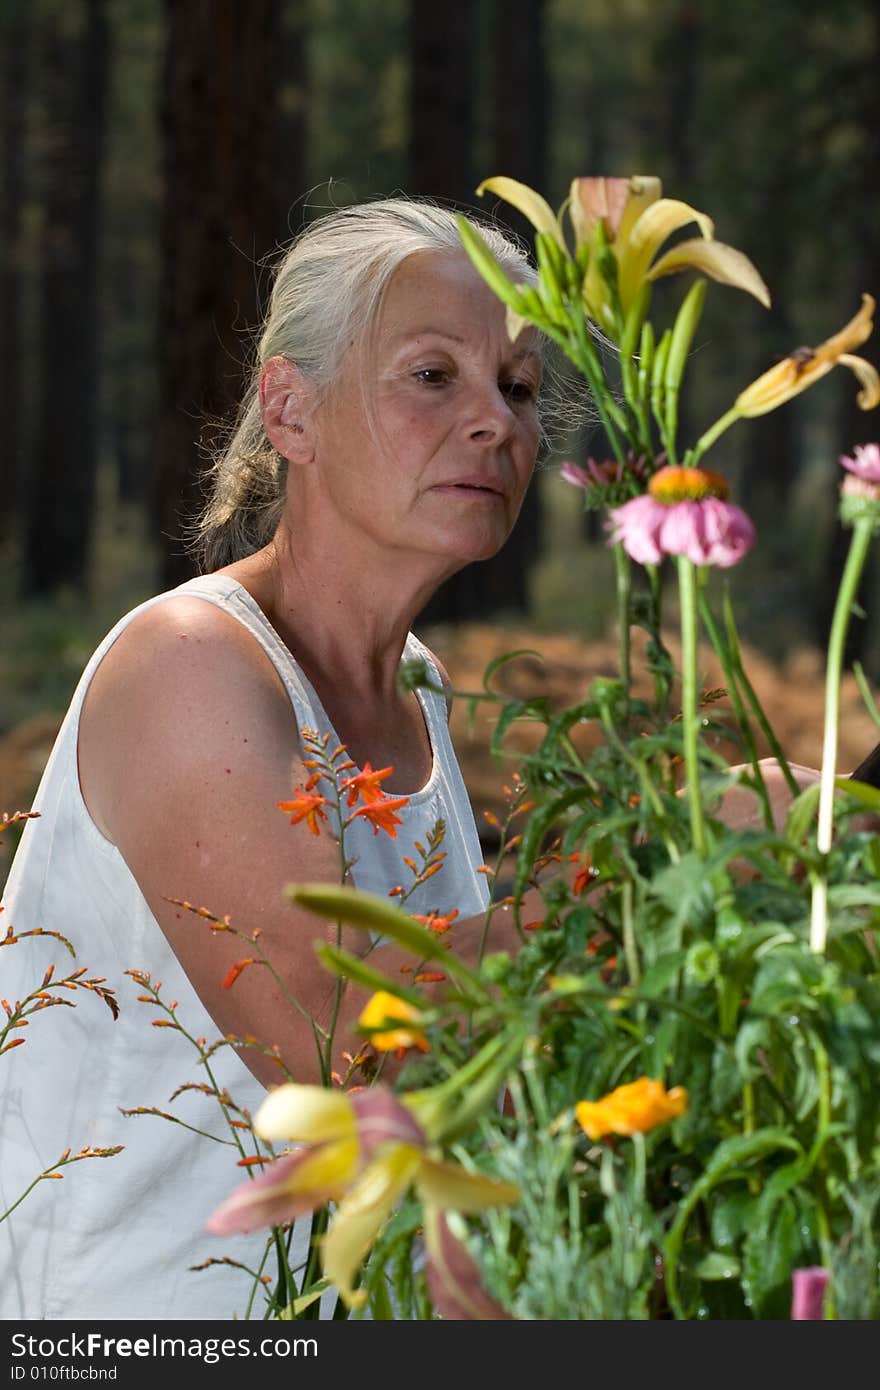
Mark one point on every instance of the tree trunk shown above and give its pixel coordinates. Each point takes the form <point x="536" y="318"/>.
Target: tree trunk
<point x="290" y="138"/>
<point x="441" y="107"/>
<point x="519" y="150"/>
<point x="218" y="123"/>
<point x="62" y="488"/>
<point x="15" y="39"/>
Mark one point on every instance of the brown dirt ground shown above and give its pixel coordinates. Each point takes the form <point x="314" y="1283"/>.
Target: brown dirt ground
<point x="791" y="694"/>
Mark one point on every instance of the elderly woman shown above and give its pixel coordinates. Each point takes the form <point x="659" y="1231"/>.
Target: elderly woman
<point x="387" y="440"/>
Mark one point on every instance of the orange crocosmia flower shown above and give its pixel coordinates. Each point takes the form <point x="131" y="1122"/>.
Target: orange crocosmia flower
<point x="382" y="1008"/>
<point x="307" y="807"/>
<point x="636" y="1108"/>
<point x="232" y="975"/>
<point x="366" y="785"/>
<point x="381" y="815"/>
<point x="584" y="875"/>
<point x="438" y="922"/>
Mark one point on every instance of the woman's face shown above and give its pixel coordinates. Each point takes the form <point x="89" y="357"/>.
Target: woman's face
<point x="443" y="466"/>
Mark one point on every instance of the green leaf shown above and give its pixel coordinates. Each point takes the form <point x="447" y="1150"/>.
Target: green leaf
<point x="662" y="973"/>
<point x="717" y="1265"/>
<point x="772" y="1252"/>
<point x="730" y="1155"/>
<point x="801" y="814"/>
<point x="353" y="968"/>
<point x="372" y="913"/>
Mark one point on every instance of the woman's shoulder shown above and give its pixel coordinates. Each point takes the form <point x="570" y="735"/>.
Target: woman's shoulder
<point x="181" y="662"/>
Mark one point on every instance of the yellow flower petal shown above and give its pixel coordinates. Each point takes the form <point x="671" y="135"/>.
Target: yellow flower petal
<point x="651" y="229"/>
<point x="528" y="202"/>
<point x="515" y="323"/>
<point x="807" y="365"/>
<point x="383" y="1007"/>
<point x="869" y="396"/>
<point x="361" y="1215"/>
<point x="451" y="1187"/>
<point x="305" y="1114"/>
<point x="645" y="189"/>
<point x="719" y="262"/>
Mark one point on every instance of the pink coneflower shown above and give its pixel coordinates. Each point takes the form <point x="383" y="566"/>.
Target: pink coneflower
<point x="684" y="512"/>
<point x="863" y="472"/>
<point x="611" y="479"/>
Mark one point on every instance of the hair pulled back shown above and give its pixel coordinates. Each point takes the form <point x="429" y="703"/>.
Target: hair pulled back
<point x="328" y="289"/>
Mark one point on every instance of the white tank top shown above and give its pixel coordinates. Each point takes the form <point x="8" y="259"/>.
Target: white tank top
<point x="116" y="1238"/>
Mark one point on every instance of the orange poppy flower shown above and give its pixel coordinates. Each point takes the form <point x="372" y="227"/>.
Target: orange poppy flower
<point x="635" y="1108"/>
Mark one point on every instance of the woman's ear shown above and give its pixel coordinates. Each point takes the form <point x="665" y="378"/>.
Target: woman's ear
<point x="284" y="398"/>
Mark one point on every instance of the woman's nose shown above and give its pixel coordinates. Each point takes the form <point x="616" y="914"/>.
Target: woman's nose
<point x="492" y="419"/>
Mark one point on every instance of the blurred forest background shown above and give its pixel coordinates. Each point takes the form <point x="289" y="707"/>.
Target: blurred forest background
<point x="155" y="156"/>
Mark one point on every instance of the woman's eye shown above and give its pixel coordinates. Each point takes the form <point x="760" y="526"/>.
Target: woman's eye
<point x="432" y="376"/>
<point x="518" y="391"/>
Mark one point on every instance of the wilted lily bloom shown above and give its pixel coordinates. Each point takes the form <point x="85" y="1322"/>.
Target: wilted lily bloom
<point x="364" y="1151"/>
<point x="635" y="1108"/>
<point x="806" y="365"/>
<point x="684" y="512"/>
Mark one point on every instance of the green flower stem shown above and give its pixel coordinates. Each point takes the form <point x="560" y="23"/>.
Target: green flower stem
<point x="823" y="1120"/>
<point x="689" y="712"/>
<point x="752" y="697"/>
<point x="723" y="652"/>
<point x="649" y="791"/>
<point x="583" y="355"/>
<point x="630" y="946"/>
<point x="623" y="578"/>
<point x="863" y="531"/>
<point x="661" y="677"/>
<point x="705" y="442"/>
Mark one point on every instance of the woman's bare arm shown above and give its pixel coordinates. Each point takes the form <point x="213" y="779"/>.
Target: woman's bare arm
<point x="187" y="742"/>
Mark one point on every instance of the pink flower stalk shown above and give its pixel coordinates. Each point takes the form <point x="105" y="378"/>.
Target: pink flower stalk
<point x="865" y="463"/>
<point x="685" y="513"/>
<point x="808" y="1293"/>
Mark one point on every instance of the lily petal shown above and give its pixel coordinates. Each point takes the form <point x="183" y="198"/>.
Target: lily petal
<point x="449" y="1186"/>
<point x="528" y="202"/>
<point x="806" y="366"/>
<point x="361" y="1215"/>
<point x="305" y="1114"/>
<point x="383" y="1119"/>
<point x="645" y="189"/>
<point x="597" y="200"/>
<point x="719" y="262"/>
<point x="652" y="228"/>
<point x="515" y="323"/>
<point x="289" y="1187"/>
<point x="869" y="396"/>
<point x="453" y="1276"/>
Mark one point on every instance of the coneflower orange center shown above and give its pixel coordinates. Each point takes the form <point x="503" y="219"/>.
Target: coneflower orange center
<point x="675" y="483"/>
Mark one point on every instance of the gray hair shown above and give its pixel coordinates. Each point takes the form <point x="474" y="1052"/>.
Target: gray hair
<point x="328" y="288"/>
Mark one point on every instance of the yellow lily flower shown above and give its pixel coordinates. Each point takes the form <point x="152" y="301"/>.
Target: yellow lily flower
<point x="636" y="222"/>
<point x="806" y="365"/>
<point x="366" y="1149"/>
<point x="382" y="1008"/>
<point x="635" y="1108"/>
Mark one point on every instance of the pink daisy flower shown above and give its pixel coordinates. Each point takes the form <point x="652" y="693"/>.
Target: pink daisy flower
<point x="684" y="512"/>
